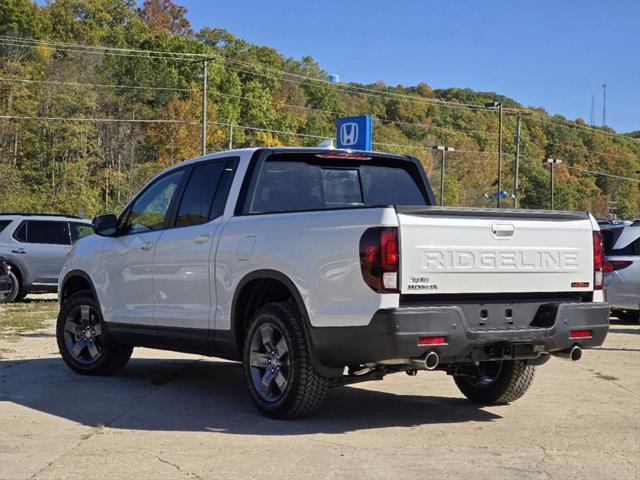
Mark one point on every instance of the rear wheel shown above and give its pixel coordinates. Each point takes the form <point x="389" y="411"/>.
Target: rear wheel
<point x="277" y="364"/>
<point x="82" y="341"/>
<point x="13" y="294"/>
<point x="497" y="382"/>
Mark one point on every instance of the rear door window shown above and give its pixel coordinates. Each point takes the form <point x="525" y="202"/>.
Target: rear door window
<point x="197" y="200"/>
<point x="47" y="232"/>
<point x="4" y="224"/>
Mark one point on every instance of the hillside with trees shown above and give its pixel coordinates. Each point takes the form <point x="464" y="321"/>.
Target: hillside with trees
<point x="98" y="95"/>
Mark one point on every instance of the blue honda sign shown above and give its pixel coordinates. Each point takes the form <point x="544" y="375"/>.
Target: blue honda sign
<point x="355" y="133"/>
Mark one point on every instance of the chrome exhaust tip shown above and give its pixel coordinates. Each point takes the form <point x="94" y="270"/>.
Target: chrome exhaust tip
<point x="574" y="353"/>
<point x="431" y="360"/>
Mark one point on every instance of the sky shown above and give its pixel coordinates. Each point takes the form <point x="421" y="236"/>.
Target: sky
<point x="542" y="53"/>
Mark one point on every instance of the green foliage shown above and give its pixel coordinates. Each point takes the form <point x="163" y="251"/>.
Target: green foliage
<point x="89" y="167"/>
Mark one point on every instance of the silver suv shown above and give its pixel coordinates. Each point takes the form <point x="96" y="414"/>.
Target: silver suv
<point x="35" y="247"/>
<point x="622" y="268"/>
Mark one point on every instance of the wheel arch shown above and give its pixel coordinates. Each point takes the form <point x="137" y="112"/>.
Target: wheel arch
<point x="256" y="289"/>
<point x="76" y="281"/>
<point x="265" y="286"/>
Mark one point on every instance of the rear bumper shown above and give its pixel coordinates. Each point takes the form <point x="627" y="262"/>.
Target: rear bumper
<point x="393" y="334"/>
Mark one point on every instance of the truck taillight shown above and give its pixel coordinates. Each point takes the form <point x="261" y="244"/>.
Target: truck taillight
<point x="380" y="258"/>
<point x="598" y="261"/>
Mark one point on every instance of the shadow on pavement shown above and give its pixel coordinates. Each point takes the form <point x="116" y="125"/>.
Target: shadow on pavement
<point x="616" y="329"/>
<point x="203" y="395"/>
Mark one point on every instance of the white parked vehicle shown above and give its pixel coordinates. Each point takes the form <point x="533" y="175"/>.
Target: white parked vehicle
<point x="622" y="268"/>
<point x="319" y="268"/>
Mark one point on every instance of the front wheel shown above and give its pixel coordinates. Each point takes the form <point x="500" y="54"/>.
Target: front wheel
<point x="277" y="364"/>
<point x="82" y="342"/>
<point x="497" y="383"/>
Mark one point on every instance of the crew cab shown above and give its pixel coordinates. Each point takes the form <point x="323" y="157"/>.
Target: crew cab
<point x="318" y="268"/>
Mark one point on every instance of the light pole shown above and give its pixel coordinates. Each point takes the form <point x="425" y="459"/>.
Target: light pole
<point x="516" y="185"/>
<point x="203" y="147"/>
<point x="444" y="150"/>
<point x="552" y="162"/>
<point x="498" y="105"/>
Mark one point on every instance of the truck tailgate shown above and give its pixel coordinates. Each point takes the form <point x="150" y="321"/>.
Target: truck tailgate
<point x="460" y="250"/>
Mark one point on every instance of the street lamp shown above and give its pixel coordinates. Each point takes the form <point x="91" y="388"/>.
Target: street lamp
<point x="498" y="105"/>
<point x="443" y="149"/>
<point x="552" y="162"/>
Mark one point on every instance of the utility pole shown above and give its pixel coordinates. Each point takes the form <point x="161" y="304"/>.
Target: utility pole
<point x="604" y="104"/>
<point x="517" y="183"/>
<point x="592" y="117"/>
<point x="230" y="136"/>
<point x="552" y="162"/>
<point x="204" y="108"/>
<point x="498" y="105"/>
<point x="444" y="150"/>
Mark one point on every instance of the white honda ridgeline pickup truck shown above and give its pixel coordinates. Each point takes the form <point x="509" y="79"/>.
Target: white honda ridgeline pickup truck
<point x="319" y="268"/>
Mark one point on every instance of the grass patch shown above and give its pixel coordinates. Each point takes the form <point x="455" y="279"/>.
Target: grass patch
<point x="25" y="316"/>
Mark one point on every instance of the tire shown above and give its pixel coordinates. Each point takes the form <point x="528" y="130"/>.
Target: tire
<point x="498" y="383"/>
<point x="82" y="339"/>
<point x="21" y="296"/>
<point x="14" y="293"/>
<point x="280" y="377"/>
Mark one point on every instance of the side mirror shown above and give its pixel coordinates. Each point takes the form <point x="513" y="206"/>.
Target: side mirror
<point x="105" y="225"/>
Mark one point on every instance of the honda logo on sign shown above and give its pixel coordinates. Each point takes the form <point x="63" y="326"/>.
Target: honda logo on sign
<point x="349" y="134"/>
<point x="354" y="133"/>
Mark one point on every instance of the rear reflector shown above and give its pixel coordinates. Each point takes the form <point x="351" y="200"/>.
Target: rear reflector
<point x="430" y="341"/>
<point x="613" y="265"/>
<point x="598" y="261"/>
<point x="580" y="334"/>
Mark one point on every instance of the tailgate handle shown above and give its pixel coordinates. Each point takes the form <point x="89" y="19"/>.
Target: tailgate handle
<point x="502" y="230"/>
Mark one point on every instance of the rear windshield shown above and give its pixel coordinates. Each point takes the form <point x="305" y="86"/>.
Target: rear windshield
<point x="610" y="239"/>
<point x="289" y="184"/>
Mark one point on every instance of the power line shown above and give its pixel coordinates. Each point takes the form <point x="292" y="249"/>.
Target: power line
<point x="239" y="97"/>
<point x="17" y="41"/>
<point x="604" y="174"/>
<point x="282" y="132"/>
<point x="97" y="85"/>
<point x="193" y="122"/>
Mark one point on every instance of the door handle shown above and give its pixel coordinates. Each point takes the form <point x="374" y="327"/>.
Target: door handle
<point x="19" y="250"/>
<point x="146" y="246"/>
<point x="204" y="238"/>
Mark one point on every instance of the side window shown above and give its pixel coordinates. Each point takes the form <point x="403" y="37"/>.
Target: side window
<point x="48" y="232"/>
<point x="197" y="199"/>
<point x="21" y="232"/>
<point x="149" y="211"/>
<point x="79" y="230"/>
<point x="3" y="224"/>
<point x="288" y="186"/>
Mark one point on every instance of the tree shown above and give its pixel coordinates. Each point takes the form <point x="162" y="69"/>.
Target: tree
<point x="166" y="16"/>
